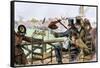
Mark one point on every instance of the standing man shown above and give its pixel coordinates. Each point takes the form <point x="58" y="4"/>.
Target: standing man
<point x="80" y="28"/>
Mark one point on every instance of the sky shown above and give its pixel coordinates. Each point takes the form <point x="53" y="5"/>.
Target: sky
<point x="28" y="10"/>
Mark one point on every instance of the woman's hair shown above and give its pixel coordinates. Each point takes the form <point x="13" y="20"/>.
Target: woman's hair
<point x="87" y="23"/>
<point x="75" y="35"/>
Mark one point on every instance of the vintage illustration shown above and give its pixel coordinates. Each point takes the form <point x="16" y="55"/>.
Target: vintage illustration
<point x="54" y="33"/>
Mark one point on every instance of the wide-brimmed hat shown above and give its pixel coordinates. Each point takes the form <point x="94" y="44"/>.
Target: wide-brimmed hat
<point x="22" y="29"/>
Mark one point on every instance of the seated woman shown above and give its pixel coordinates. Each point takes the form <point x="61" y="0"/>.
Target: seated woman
<point x="78" y="42"/>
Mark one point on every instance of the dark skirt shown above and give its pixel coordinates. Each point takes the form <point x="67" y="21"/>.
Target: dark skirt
<point x="20" y="57"/>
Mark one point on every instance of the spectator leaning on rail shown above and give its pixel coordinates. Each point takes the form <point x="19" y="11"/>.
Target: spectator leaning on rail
<point x="20" y="57"/>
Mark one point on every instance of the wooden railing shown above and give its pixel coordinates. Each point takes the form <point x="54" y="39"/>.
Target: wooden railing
<point x="35" y="56"/>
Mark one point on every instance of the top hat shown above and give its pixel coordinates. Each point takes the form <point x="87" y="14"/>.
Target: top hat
<point x="70" y="22"/>
<point x="78" y="22"/>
